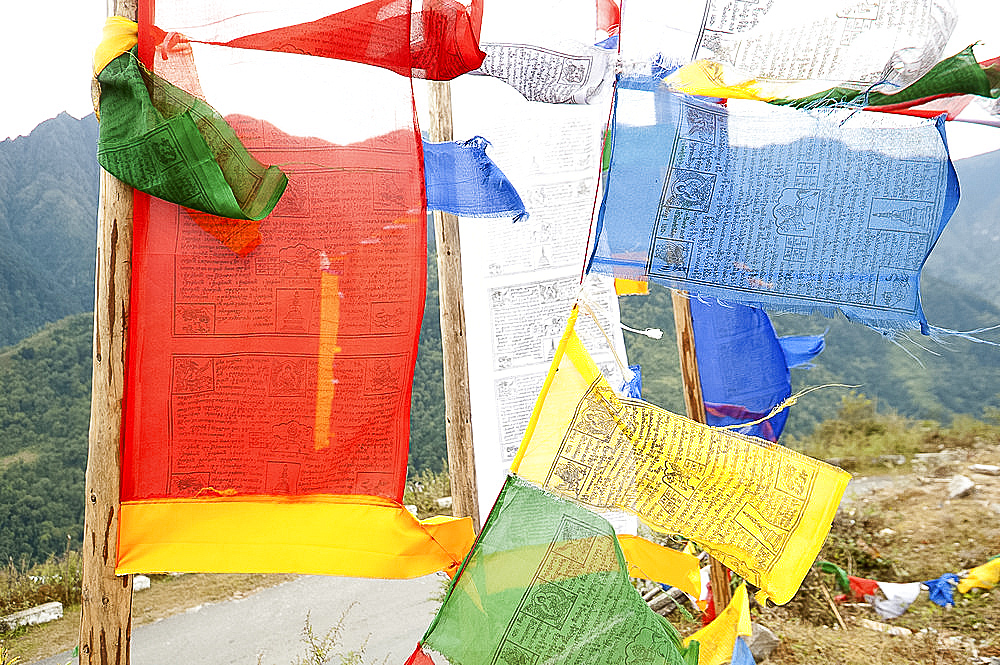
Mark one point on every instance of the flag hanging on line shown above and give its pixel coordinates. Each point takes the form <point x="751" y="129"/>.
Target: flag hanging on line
<point x="266" y="426"/>
<point x="427" y="39"/>
<point x="795" y="49"/>
<point x="546" y="581"/>
<point x="957" y="75"/>
<point x="776" y="208"/>
<point x="576" y="74"/>
<point x="742" y="367"/>
<point x="461" y="179"/>
<point x="760" y="509"/>
<point x="718" y="640"/>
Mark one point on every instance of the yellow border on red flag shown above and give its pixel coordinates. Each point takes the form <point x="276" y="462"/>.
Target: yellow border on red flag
<point x="358" y="536"/>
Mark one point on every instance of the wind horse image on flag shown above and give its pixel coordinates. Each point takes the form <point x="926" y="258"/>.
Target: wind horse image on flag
<point x="266" y="418"/>
<point x="760" y="509"/>
<point x="776" y="208"/>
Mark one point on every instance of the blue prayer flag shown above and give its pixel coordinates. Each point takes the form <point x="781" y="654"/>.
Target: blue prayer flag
<point x="633" y="387"/>
<point x="776" y="208"/>
<point x="801" y="349"/>
<point x="461" y="179"/>
<point x="741" y="653"/>
<point x="942" y="589"/>
<point x="742" y="367"/>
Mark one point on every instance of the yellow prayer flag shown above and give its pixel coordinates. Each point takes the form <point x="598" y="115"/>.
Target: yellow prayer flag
<point x="661" y="564"/>
<point x="715" y="79"/>
<point x="716" y="640"/>
<point x="709" y="78"/>
<point x="631" y="287"/>
<point x="985" y="576"/>
<point x="760" y="509"/>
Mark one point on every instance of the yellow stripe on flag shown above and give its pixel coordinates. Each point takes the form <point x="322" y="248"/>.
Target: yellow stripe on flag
<point x="717" y="639"/>
<point x="759" y="508"/>
<point x="329" y="326"/>
<point x="358" y="536"/>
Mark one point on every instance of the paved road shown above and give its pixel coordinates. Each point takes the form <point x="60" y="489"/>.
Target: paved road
<point x="268" y="624"/>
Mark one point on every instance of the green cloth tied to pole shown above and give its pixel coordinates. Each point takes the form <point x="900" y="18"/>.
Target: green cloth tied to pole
<point x="172" y="145"/>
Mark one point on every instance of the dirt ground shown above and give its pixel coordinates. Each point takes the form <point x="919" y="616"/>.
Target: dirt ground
<point x="898" y="524"/>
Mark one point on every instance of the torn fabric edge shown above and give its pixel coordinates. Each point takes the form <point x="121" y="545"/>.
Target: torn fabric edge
<point x="461" y="179"/>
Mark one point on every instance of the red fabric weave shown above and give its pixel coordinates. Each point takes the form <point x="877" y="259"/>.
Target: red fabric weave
<point x="438" y="42"/>
<point x="286" y="369"/>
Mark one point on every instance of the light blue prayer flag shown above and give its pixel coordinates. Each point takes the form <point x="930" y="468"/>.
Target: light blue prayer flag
<point x="461" y="179"/>
<point x="741" y="653"/>
<point x="771" y="207"/>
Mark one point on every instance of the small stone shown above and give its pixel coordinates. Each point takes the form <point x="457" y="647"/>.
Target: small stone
<point x="886" y="533"/>
<point x="960" y="486"/>
<point x="987" y="469"/>
<point x="884" y="627"/>
<point x="140" y="583"/>
<point x="444" y="502"/>
<point x="32" y="616"/>
<point x="762" y="642"/>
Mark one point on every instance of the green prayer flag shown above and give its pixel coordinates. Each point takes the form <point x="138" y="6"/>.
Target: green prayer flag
<point x="172" y="145"/>
<point x="839" y="573"/>
<point x="960" y="74"/>
<point x="547" y="582"/>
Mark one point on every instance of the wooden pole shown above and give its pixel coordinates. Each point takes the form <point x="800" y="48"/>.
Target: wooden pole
<point x="694" y="402"/>
<point x="106" y="624"/>
<point x="457" y="404"/>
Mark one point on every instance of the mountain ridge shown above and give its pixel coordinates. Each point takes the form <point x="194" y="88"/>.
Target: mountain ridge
<point x="48" y="224"/>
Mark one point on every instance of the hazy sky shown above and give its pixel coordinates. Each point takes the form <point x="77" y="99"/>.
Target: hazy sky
<point x="46" y="51"/>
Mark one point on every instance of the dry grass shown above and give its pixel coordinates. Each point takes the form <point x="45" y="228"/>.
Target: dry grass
<point x="908" y="531"/>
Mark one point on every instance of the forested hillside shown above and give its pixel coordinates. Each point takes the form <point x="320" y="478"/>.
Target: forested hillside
<point x="44" y="417"/>
<point x="955" y="376"/>
<point x="48" y="222"/>
<point x="968" y="252"/>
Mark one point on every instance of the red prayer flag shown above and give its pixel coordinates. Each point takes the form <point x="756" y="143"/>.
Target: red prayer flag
<point x="609" y="16"/>
<point x="862" y="587"/>
<point x="266" y="419"/>
<point x="439" y="41"/>
<point x="419" y="657"/>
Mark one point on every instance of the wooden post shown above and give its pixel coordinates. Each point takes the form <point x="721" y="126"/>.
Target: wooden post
<point x="457" y="404"/>
<point x="694" y="402"/>
<point x="106" y="625"/>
